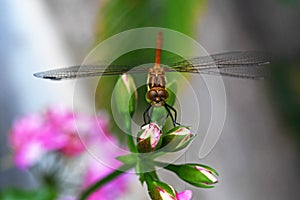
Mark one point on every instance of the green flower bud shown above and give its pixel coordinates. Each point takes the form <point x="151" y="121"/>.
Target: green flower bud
<point x="126" y="91"/>
<point x="195" y="174"/>
<point x="125" y="98"/>
<point x="161" y="191"/>
<point x="149" y="138"/>
<point x="176" y="139"/>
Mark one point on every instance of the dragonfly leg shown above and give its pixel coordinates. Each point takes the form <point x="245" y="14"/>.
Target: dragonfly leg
<point x="146" y="112"/>
<point x="150" y="113"/>
<point x="168" y="107"/>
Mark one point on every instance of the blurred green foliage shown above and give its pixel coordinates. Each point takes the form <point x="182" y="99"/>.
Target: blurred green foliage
<point x="35" y="194"/>
<point x="120" y="15"/>
<point x="285" y="86"/>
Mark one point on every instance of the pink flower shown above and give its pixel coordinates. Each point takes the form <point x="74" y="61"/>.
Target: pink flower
<point x="76" y="128"/>
<point x="31" y="137"/>
<point x="184" y="195"/>
<point x="34" y="135"/>
<point x="62" y="132"/>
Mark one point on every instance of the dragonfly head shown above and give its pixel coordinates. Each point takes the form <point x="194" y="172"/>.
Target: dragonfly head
<point x="157" y="96"/>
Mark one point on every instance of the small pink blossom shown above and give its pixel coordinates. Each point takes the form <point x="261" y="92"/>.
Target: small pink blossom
<point x="184" y="195"/>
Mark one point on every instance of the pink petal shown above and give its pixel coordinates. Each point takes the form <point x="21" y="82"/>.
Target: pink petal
<point x="184" y="195"/>
<point x="28" y="155"/>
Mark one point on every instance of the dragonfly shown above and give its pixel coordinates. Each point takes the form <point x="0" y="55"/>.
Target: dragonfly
<point x="240" y="64"/>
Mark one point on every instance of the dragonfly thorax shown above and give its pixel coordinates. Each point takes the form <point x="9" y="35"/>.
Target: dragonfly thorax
<point x="156" y="77"/>
<point x="157" y="96"/>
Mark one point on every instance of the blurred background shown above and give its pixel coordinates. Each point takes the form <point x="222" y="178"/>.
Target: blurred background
<point x="257" y="153"/>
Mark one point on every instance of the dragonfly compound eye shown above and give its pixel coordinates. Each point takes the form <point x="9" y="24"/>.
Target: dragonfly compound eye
<point x="163" y="94"/>
<point x="152" y="95"/>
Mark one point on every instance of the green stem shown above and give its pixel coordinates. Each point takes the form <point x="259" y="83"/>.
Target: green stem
<point x="167" y="166"/>
<point x="131" y="144"/>
<point x="103" y="181"/>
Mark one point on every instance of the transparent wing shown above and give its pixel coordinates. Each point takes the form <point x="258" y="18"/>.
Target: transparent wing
<point x="247" y="64"/>
<point x="87" y="71"/>
<point x="247" y="72"/>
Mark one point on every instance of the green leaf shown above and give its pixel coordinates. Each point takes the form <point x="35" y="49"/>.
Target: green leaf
<point x="128" y="159"/>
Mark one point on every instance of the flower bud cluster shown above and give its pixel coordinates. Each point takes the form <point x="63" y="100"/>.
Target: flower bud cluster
<point x="151" y="138"/>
